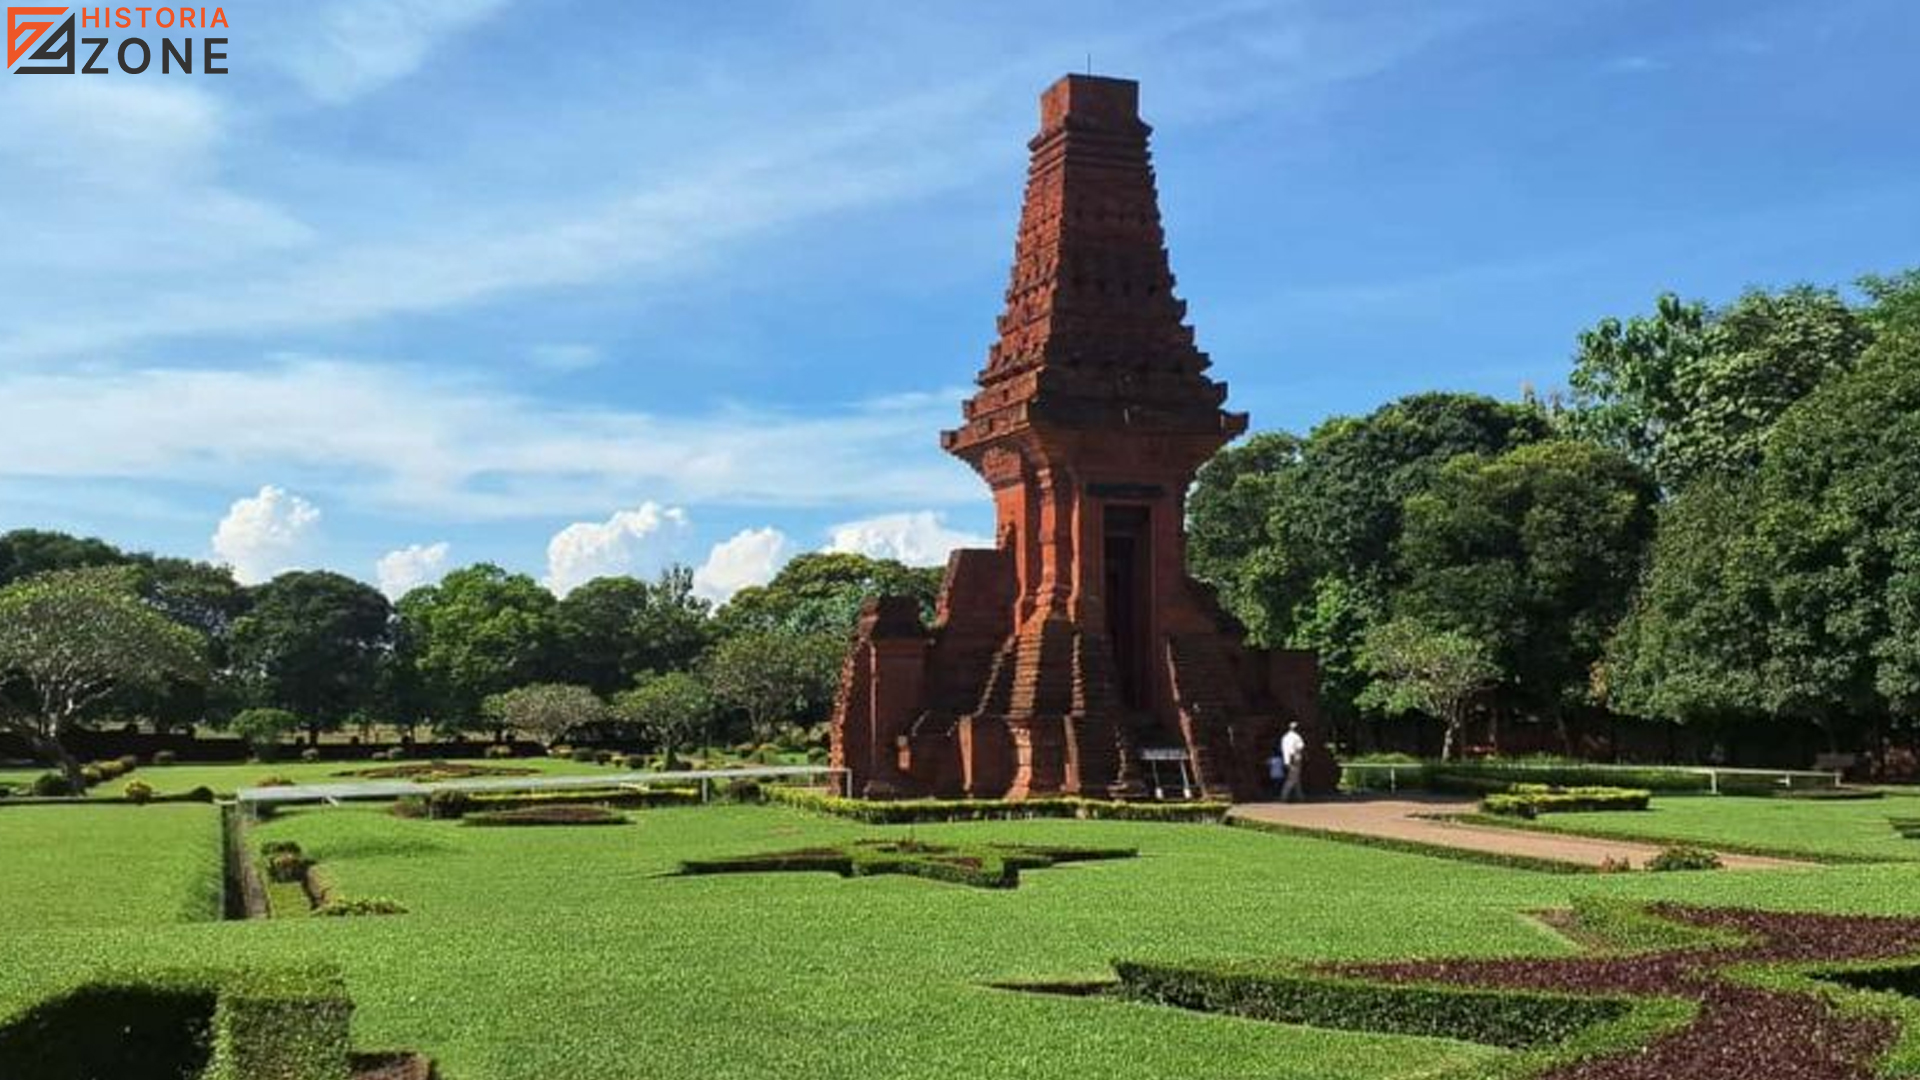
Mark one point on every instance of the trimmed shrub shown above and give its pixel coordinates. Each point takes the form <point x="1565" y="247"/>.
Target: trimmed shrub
<point x="367" y="905"/>
<point x="1505" y="1018"/>
<point x="448" y="804"/>
<point x="287" y="867"/>
<point x="91" y="775"/>
<point x="165" y="757"/>
<point x="198" y="793"/>
<point x="626" y="798"/>
<point x="1532" y="800"/>
<point x="51" y="785"/>
<point x="585" y="755"/>
<point x="273" y="780"/>
<point x="499" y="751"/>
<point x="283" y="1026"/>
<point x="1684" y="857"/>
<point x="983" y="866"/>
<point x="109" y="769"/>
<point x="138" y="791"/>
<point x="546" y="815"/>
<point x="410" y="806"/>
<point x="128" y="763"/>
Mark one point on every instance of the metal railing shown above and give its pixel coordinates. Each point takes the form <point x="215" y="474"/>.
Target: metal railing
<point x="1786" y="779"/>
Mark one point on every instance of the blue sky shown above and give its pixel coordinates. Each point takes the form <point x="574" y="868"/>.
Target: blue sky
<point x="588" y="287"/>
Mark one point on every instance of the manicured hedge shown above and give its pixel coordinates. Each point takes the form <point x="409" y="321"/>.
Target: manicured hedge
<point x="248" y="1025"/>
<point x="546" y="815"/>
<point x="984" y="866"/>
<point x="910" y="811"/>
<point x="1684" y="857"/>
<point x="282" y="1026"/>
<point x="1514" y="1020"/>
<point x="1532" y="800"/>
<point x="455" y="804"/>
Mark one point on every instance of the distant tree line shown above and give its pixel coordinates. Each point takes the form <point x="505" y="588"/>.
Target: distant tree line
<point x="174" y="644"/>
<point x="1720" y="523"/>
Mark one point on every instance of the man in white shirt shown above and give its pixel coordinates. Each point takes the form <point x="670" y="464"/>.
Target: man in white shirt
<point x="1293" y="748"/>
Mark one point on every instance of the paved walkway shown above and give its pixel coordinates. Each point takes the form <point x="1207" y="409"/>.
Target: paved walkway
<point x="1404" y="817"/>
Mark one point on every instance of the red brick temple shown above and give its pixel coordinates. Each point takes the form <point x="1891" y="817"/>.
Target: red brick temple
<point x="1077" y="656"/>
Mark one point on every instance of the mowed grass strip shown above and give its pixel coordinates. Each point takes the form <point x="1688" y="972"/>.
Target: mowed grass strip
<point x="529" y="954"/>
<point x="107" y="866"/>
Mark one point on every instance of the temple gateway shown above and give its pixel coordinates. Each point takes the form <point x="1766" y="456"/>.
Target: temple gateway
<point x="1077" y="657"/>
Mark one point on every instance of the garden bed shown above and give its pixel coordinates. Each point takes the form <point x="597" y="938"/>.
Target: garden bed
<point x="429" y="772"/>
<point x="985" y="866"/>
<point x="1532" y="800"/>
<point x="545" y="815"/>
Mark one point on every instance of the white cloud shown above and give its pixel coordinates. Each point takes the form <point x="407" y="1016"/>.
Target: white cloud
<point x="750" y="557"/>
<point x="917" y="539"/>
<point x="444" y="446"/>
<point x="265" y="534"/>
<point x="400" y="572"/>
<point x="629" y="541"/>
<point x="355" y="47"/>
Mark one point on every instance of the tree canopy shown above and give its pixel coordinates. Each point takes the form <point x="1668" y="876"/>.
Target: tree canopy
<point x="69" y="639"/>
<point x="480" y="631"/>
<point x="312" y="643"/>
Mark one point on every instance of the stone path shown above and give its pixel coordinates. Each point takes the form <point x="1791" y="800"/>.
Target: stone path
<point x="1403" y="817"/>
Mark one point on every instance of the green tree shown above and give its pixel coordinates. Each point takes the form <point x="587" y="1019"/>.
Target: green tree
<point x="69" y="639"/>
<point x="774" y="676"/>
<point x="821" y="592"/>
<point x="480" y="631"/>
<point x="1417" y="668"/>
<point x="1535" y="554"/>
<point x="673" y="709"/>
<point x="312" y="644"/>
<point x="1839" y="535"/>
<point x="26" y="552"/>
<point x="1298" y="536"/>
<point x="1691" y="392"/>
<point x="1894" y="304"/>
<point x="545" y="711"/>
<point x="263" y="727"/>
<point x="1693" y="645"/>
<point x="611" y="629"/>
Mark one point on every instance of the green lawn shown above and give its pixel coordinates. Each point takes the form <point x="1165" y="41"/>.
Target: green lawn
<point x="1844" y="827"/>
<point x="538" y="953"/>
<point x="224" y="780"/>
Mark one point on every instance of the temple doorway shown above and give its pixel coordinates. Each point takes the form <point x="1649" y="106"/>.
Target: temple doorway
<point x="1128" y="596"/>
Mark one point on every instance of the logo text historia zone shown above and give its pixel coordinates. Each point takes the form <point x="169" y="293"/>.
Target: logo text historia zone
<point x="48" y="41"/>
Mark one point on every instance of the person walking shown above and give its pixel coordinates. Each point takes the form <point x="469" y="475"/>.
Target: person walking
<point x="1293" y="748"/>
<point x="1277" y="770"/>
